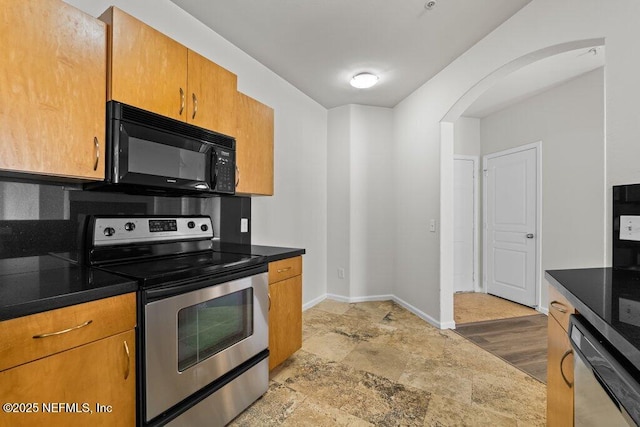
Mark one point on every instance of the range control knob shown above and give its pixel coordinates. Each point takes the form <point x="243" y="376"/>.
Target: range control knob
<point x="129" y="226"/>
<point x="191" y="224"/>
<point x="109" y="231"/>
<point x="204" y="227"/>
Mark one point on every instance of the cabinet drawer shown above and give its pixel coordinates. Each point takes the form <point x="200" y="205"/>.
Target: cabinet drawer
<point x="32" y="337"/>
<point x="560" y="308"/>
<point x="284" y="269"/>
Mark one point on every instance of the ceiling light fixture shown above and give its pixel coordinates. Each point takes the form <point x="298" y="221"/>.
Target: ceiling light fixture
<point x="364" y="80"/>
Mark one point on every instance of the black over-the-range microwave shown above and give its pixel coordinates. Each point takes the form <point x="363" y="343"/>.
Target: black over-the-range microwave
<point x="150" y="153"/>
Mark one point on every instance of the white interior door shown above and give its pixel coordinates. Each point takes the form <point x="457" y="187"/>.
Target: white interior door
<point x="463" y="225"/>
<point x="511" y="197"/>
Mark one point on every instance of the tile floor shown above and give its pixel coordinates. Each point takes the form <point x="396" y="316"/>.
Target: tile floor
<point x="375" y="363"/>
<point x="470" y="307"/>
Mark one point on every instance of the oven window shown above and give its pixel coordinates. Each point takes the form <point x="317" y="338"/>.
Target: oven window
<point x="209" y="327"/>
<point x="153" y="158"/>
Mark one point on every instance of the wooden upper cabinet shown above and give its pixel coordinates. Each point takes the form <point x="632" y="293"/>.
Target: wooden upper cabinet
<point x="147" y="69"/>
<point x="151" y="71"/>
<point x="211" y="101"/>
<point x="254" y="147"/>
<point x="52" y="89"/>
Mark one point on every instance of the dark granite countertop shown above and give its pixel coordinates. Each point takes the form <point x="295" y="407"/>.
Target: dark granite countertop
<point x="35" y="284"/>
<point x="271" y="253"/>
<point x="608" y="299"/>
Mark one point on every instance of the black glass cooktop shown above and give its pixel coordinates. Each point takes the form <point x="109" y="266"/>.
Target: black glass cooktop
<point x="610" y="300"/>
<point x="159" y="271"/>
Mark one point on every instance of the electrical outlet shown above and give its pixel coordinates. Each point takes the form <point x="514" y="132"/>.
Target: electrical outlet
<point x="244" y="225"/>
<point x="341" y="273"/>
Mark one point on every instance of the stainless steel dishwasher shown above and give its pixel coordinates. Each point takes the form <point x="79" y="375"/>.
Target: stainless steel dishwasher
<point x="606" y="387"/>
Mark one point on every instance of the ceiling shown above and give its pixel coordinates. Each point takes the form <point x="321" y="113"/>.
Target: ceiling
<point x="537" y="78"/>
<point x="318" y="46"/>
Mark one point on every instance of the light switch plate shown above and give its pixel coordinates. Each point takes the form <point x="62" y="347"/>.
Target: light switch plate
<point x="244" y="225"/>
<point x="630" y="227"/>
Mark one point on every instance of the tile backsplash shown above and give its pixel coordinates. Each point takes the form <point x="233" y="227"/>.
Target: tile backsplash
<point x="36" y="219"/>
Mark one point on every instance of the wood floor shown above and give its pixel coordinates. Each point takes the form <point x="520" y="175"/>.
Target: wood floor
<point x="521" y="341"/>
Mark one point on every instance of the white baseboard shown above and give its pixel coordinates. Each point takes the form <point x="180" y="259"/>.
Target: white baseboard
<point x="424" y="316"/>
<point x="313" y="302"/>
<point x="350" y="300"/>
<point x="341" y="298"/>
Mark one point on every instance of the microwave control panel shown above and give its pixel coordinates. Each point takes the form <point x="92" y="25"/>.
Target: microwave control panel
<point x="225" y="170"/>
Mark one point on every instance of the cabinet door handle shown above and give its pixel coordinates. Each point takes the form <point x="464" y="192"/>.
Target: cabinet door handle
<point x="269" y="296"/>
<point x="96" y="146"/>
<point x="564" y="356"/>
<point x="64" y="331"/>
<point x="282" y="270"/>
<point x="195" y="105"/>
<point x="182" y="101"/>
<point x="237" y="176"/>
<point x="126" y="350"/>
<point x="558" y="306"/>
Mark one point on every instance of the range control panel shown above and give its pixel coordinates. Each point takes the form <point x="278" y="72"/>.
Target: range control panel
<point x="129" y="230"/>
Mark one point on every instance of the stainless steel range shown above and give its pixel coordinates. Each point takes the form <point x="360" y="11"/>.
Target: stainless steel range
<point x="202" y="317"/>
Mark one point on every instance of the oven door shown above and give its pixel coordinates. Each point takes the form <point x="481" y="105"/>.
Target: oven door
<point x="192" y="339"/>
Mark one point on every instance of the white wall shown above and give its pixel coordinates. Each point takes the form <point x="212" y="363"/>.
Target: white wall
<point x="296" y="215"/>
<point x="372" y="202"/>
<point x="569" y="121"/>
<point x="360" y="213"/>
<point x="338" y="201"/>
<point x="539" y="25"/>
<point x="466" y="136"/>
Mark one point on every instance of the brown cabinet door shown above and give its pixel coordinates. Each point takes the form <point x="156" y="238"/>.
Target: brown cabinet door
<point x="285" y="319"/>
<point x="52" y="85"/>
<point x="254" y="147"/>
<point x="559" y="376"/>
<point x="77" y="380"/>
<point x="211" y="100"/>
<point x="148" y="70"/>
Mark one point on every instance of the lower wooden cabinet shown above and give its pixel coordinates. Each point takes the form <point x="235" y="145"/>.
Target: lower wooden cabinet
<point x="559" y="376"/>
<point x="285" y="314"/>
<point x="93" y="384"/>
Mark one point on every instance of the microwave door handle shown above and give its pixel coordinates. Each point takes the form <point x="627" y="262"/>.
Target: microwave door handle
<point x="214" y="170"/>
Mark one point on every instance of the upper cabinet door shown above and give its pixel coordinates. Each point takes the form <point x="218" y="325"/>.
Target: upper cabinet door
<point x="211" y="101"/>
<point x="148" y="70"/>
<point x="254" y="147"/>
<point x="52" y="89"/>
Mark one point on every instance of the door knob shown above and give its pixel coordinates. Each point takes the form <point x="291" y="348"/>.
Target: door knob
<point x="529" y="235"/>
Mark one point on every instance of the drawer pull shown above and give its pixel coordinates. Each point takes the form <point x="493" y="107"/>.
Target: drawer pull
<point x="282" y="270"/>
<point x="564" y="356"/>
<point x="64" y="331"/>
<point x="559" y="306"/>
<point x="126" y="350"/>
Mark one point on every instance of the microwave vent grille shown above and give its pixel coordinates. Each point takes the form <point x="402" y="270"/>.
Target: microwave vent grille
<point x="132" y="114"/>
